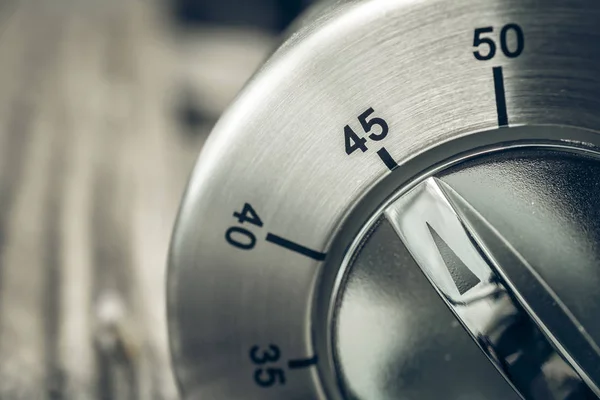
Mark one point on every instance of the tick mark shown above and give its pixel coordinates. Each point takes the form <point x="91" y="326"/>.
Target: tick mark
<point x="387" y="159"/>
<point x="305" y="251"/>
<point x="500" y="97"/>
<point x="303" y="363"/>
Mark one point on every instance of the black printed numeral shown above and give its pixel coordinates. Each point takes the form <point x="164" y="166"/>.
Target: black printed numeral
<point x="240" y="237"/>
<point x="269" y="371"/>
<point x="376" y="128"/>
<point x="245" y="239"/>
<point x="486" y="48"/>
<point x="267" y="376"/>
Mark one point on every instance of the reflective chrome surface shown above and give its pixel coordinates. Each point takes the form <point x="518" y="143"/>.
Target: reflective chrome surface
<point x="391" y="339"/>
<point x="431" y="221"/>
<point x="280" y="148"/>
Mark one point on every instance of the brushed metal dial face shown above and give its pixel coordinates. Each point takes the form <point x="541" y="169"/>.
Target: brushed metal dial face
<point x="365" y="98"/>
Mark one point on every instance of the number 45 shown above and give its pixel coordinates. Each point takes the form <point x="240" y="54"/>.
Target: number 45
<point x="354" y="142"/>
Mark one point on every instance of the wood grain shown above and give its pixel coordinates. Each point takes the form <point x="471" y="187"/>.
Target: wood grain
<point x="92" y="168"/>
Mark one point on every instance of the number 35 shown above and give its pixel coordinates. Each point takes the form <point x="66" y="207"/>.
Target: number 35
<point x="267" y="377"/>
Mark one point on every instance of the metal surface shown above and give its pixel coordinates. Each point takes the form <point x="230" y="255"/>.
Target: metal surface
<point x="493" y="300"/>
<point x="376" y="327"/>
<point x="396" y="339"/>
<point x="280" y="148"/>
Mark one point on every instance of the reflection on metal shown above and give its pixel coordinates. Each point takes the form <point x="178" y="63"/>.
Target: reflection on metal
<point x="464" y="279"/>
<point x="477" y="280"/>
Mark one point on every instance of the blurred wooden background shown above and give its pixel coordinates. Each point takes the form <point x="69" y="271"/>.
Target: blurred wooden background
<point x="93" y="162"/>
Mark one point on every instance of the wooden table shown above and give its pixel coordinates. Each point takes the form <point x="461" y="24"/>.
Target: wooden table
<point x="92" y="168"/>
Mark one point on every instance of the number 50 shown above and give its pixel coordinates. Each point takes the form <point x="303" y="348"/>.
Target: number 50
<point x="479" y="39"/>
